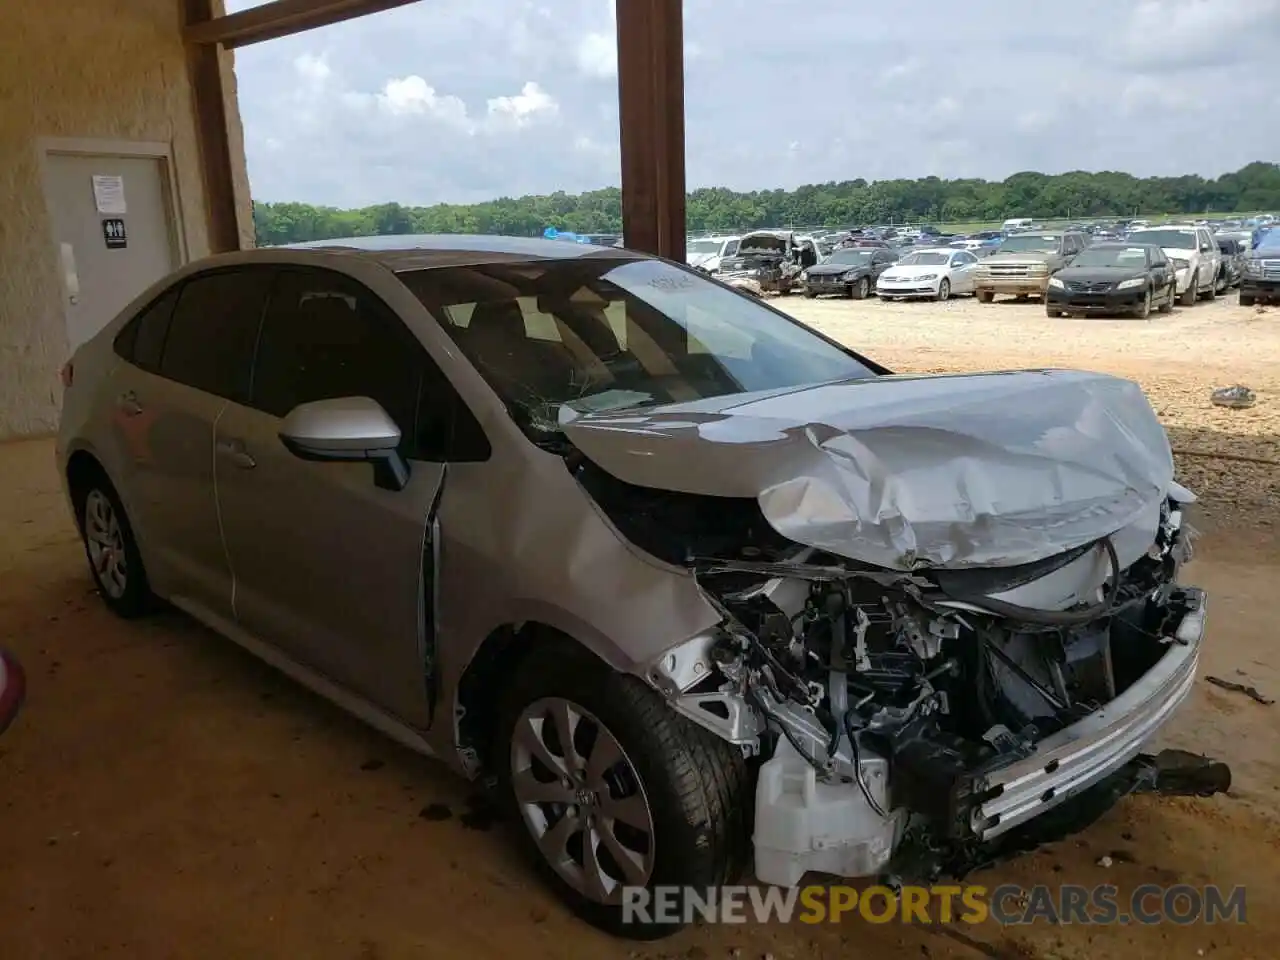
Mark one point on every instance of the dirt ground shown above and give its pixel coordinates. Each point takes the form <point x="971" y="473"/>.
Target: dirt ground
<point x="164" y="795"/>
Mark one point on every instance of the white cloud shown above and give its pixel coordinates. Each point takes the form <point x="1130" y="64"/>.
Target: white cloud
<point x="598" y="55"/>
<point x="531" y="103"/>
<point x="314" y="70"/>
<point x="413" y="96"/>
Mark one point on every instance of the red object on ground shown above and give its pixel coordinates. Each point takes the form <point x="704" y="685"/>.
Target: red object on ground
<point x="13" y="687"/>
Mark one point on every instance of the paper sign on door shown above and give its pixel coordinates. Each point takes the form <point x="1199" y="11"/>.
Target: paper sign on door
<point x="108" y="194"/>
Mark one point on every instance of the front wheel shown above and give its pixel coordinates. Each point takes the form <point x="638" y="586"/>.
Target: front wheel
<point x="1144" y="309"/>
<point x="1246" y="300"/>
<point x="810" y="294"/>
<point x="610" y="788"/>
<point x="861" y="289"/>
<point x="1166" y="305"/>
<point x="1188" y="298"/>
<point x="944" y="289"/>
<point x="986" y="296"/>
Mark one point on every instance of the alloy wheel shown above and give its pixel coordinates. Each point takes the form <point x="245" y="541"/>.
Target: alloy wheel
<point x="105" y="539"/>
<point x="581" y="799"/>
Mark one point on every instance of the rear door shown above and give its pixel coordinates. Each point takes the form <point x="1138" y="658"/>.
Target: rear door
<point x="964" y="266"/>
<point x="1209" y="253"/>
<point x="329" y="568"/>
<point x="187" y="357"/>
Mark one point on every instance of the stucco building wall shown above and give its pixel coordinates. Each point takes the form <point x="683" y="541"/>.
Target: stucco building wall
<point x="102" y="69"/>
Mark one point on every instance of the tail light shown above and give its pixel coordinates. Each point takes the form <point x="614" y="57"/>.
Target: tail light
<point x="68" y="374"/>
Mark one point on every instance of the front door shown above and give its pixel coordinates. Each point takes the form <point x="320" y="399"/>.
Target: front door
<point x="113" y="233"/>
<point x="328" y="567"/>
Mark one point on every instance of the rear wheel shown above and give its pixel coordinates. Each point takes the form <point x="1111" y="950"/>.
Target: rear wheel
<point x="1188" y="298"/>
<point x="1212" y="292"/>
<point x="112" y="550"/>
<point x="608" y="787"/>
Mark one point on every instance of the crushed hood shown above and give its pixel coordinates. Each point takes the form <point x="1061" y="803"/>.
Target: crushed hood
<point x="956" y="471"/>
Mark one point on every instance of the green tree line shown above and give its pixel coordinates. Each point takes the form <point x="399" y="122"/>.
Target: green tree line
<point x="1068" y="195"/>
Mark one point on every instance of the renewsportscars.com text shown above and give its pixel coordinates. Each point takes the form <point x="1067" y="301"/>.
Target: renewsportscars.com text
<point x="1006" y="905"/>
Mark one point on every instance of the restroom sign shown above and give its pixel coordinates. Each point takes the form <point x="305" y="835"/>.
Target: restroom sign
<point x="114" y="233"/>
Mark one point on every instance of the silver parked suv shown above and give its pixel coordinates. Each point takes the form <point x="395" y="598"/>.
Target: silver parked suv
<point x="676" y="572"/>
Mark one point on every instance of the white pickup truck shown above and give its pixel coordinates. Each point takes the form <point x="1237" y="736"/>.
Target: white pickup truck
<point x="1195" y="256"/>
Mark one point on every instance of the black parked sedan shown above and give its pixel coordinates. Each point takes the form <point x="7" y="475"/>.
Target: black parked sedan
<point x="1113" y="278"/>
<point x="851" y="271"/>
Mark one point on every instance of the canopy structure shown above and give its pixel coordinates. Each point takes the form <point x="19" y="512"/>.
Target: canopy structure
<point x="650" y="99"/>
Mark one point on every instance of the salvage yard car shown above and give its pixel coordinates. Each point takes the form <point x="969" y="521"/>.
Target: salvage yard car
<point x="655" y="558"/>
<point x="1023" y="263"/>
<point x="1260" y="279"/>
<point x="1195" y="257"/>
<point x="849" y="271"/>
<point x="1113" y="278"/>
<point x="933" y="273"/>
<point x="770" y="260"/>
<point x="707" y="252"/>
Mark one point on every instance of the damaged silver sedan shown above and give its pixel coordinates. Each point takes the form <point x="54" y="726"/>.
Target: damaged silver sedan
<point x="678" y="577"/>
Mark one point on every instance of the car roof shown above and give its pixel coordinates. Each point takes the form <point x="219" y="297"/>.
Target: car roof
<point x="423" y="251"/>
<point x="1121" y="245"/>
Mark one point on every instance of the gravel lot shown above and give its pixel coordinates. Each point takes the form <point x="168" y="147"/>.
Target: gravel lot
<point x="166" y="796"/>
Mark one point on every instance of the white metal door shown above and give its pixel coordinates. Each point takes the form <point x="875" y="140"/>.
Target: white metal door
<point x="113" y="233"/>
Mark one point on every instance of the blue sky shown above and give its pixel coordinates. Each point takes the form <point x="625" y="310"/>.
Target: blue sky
<point x="446" y="101"/>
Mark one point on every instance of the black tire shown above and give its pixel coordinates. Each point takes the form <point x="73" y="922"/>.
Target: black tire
<point x="698" y="788"/>
<point x="985" y="296"/>
<point x="1023" y="297"/>
<point x="944" y="289"/>
<point x="1166" y="305"/>
<point x="1212" y="292"/>
<point x="1144" y="309"/>
<point x="1188" y="298"/>
<point x="136" y="599"/>
<point x="1246" y="300"/>
<point x="1223" y="283"/>
<point x="861" y="289"/>
<point x="1052" y="311"/>
<point x="810" y="295"/>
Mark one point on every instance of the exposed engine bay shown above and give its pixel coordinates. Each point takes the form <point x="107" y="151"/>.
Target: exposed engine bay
<point x="916" y="710"/>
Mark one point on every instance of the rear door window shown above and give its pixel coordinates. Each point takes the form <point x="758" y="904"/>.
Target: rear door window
<point x="214" y="329"/>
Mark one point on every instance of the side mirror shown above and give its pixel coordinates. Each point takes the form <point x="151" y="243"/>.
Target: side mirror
<point x="348" y="430"/>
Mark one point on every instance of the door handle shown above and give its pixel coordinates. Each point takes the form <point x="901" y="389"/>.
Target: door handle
<point x="128" y="404"/>
<point x="234" y="451"/>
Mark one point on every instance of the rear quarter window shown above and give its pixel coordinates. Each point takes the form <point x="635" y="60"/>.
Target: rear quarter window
<point x="141" y="342"/>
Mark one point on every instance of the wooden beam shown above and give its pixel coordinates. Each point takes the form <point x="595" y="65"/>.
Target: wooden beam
<point x="651" y="118"/>
<point x="205" y="65"/>
<point x="280" y="18"/>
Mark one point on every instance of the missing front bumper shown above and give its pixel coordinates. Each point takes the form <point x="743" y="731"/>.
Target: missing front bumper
<point x="1074" y="759"/>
